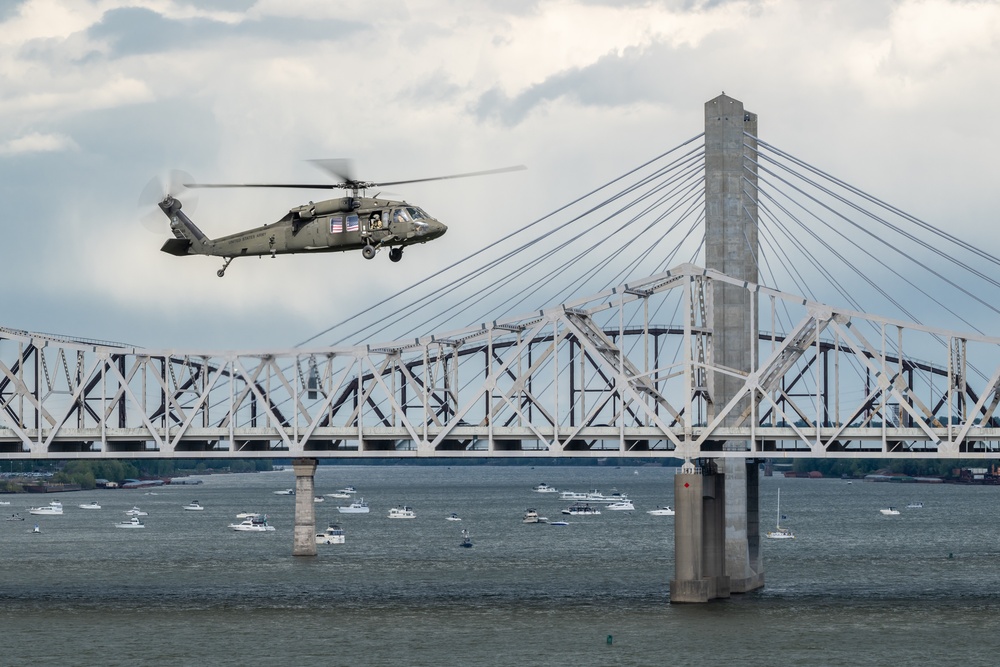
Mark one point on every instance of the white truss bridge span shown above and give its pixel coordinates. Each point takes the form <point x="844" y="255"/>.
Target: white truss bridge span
<point x="626" y="372"/>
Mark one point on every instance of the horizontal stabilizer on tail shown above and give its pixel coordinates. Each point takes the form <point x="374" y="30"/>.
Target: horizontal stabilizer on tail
<point x="178" y="247"/>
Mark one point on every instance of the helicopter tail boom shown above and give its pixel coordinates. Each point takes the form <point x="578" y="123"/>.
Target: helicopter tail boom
<point x="189" y="240"/>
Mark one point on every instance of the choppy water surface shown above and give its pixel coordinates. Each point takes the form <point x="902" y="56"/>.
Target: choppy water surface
<point x="855" y="587"/>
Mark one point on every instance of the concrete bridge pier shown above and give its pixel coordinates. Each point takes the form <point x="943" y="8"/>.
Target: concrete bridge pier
<point x="699" y="536"/>
<point x="304" y="537"/>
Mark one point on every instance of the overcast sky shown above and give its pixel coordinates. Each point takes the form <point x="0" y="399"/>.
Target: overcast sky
<point x="98" y="96"/>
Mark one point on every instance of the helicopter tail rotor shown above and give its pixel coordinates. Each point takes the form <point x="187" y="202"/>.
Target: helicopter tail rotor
<point x="168" y="184"/>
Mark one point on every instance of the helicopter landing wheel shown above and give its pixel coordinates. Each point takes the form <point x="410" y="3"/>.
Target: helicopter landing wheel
<point x="368" y="252"/>
<point x="221" y="272"/>
<point x="395" y="254"/>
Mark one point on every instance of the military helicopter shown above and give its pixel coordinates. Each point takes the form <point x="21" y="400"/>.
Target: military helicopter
<point x="353" y="222"/>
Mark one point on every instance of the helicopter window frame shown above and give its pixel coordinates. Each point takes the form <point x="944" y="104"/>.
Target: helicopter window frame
<point x="400" y="215"/>
<point x="336" y="224"/>
<point x="376" y="220"/>
<point x="352" y="223"/>
<point x="416" y="213"/>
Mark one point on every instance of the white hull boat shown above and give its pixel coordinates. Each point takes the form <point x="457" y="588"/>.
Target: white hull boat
<point x="780" y="533"/>
<point x="332" y="535"/>
<point x="135" y="511"/>
<point x="661" y="511"/>
<point x="359" y="507"/>
<point x="89" y="506"/>
<point x="404" y="512"/>
<point x="252" y="525"/>
<point x="194" y="506"/>
<point x="131" y="523"/>
<point x="889" y="511"/>
<point x="54" y="508"/>
<point x="622" y="505"/>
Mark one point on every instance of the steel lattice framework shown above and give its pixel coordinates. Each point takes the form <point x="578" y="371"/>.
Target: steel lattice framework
<point x="624" y="372"/>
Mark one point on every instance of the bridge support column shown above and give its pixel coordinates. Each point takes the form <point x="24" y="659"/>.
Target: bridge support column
<point x="743" y="559"/>
<point x="304" y="537"/>
<point x="699" y="537"/>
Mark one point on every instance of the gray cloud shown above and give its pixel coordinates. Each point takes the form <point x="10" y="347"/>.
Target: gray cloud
<point x="135" y="30"/>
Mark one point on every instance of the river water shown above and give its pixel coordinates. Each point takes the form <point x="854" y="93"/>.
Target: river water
<point x="853" y="588"/>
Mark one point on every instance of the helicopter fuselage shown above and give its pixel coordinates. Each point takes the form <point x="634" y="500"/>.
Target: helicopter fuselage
<point x="333" y="225"/>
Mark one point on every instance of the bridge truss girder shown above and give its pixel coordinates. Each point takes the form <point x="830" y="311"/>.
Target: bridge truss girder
<point x="623" y="373"/>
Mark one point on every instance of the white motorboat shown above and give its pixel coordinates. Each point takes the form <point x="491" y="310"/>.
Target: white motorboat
<point x="135" y="511"/>
<point x="338" y="494"/>
<point x="318" y="499"/>
<point x="357" y="507"/>
<point x="53" y="508"/>
<point x="780" y="533"/>
<point x="257" y="524"/>
<point x="248" y="515"/>
<point x="36" y="529"/>
<point x="4" y="502"/>
<point x="349" y="490"/>
<point x="134" y="522"/>
<point x="662" y="511"/>
<point x="531" y="516"/>
<point x="334" y="534"/>
<point x="581" y="510"/>
<point x="404" y="512"/>
<point x="453" y="517"/>
<point x="621" y="505"/>
<point x="544" y="488"/>
<point x="285" y="492"/>
<point x="889" y="511"/>
<point x="194" y="506"/>
<point x="89" y="506"/>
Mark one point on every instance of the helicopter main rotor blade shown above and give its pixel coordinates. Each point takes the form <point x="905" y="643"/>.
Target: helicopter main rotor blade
<point x="339" y="167"/>
<point x="306" y="186"/>
<point x="502" y="170"/>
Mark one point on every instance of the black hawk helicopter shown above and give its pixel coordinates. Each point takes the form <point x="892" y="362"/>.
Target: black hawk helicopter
<point x="354" y="222"/>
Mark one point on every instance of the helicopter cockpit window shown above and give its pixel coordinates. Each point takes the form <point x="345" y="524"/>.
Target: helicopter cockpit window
<point x="400" y="215"/>
<point x="416" y="213"/>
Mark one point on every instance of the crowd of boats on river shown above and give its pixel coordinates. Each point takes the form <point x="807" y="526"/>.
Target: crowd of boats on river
<point x="580" y="504"/>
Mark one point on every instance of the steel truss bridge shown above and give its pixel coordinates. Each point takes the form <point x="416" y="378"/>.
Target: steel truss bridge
<point x="626" y="372"/>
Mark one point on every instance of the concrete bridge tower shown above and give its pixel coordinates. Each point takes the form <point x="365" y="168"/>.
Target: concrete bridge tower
<point x="717" y="526"/>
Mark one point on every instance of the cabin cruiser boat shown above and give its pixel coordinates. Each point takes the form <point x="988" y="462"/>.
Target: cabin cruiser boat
<point x="357" y="507"/>
<point x="889" y="511"/>
<point x="53" y="508"/>
<point x="135" y="511"/>
<point x="404" y="512"/>
<point x="581" y="510"/>
<point x="622" y="505"/>
<point x="193" y="506"/>
<point x="545" y="488"/>
<point x="334" y="534"/>
<point x="256" y="524"/>
<point x="131" y="523"/>
<point x="349" y="490"/>
<point x="531" y="516"/>
<point x="662" y="511"/>
<point x="89" y="506"/>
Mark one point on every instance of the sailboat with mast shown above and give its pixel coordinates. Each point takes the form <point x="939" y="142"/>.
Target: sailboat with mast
<point x="780" y="533"/>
